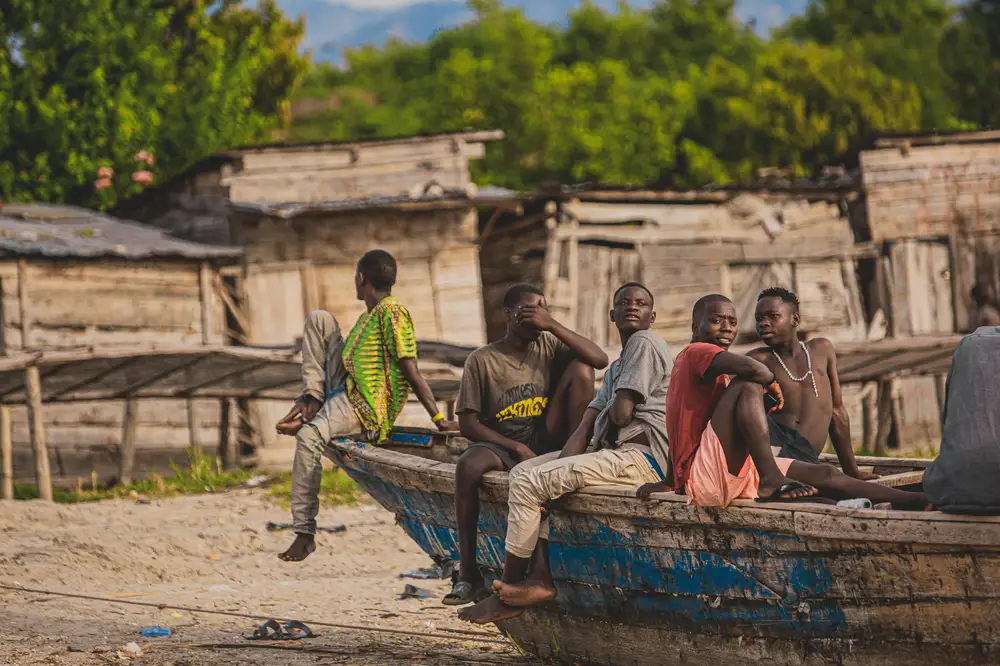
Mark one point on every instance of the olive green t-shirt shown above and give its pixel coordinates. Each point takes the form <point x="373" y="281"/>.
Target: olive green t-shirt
<point x="511" y="394"/>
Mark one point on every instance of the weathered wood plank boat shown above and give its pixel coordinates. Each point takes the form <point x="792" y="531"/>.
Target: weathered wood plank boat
<point x="662" y="582"/>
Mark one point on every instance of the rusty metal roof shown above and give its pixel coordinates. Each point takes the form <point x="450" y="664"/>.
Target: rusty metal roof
<point x="67" y="231"/>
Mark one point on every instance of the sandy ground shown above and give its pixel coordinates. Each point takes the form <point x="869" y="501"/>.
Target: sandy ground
<point x="214" y="552"/>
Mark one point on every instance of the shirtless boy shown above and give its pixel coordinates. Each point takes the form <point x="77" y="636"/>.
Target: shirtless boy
<point x="357" y="385"/>
<point x="625" y="430"/>
<point x="521" y="396"/>
<point x="807" y="375"/>
<point x="720" y="448"/>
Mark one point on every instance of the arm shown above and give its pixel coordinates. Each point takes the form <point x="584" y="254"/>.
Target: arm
<point x="623" y="406"/>
<point x="585" y="350"/>
<point x="741" y="367"/>
<point x="840" y="423"/>
<point x="473" y="430"/>
<point x="423" y="392"/>
<point x="577" y="442"/>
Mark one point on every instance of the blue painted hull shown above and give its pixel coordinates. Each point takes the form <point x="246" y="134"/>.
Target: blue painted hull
<point x="662" y="582"/>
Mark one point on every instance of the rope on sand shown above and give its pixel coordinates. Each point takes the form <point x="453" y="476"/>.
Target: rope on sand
<point x="464" y="635"/>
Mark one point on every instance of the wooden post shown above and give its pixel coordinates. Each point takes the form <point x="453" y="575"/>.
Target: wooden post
<point x="870" y="411"/>
<point x="205" y="282"/>
<point x="42" y="473"/>
<point x="192" y="427"/>
<point x="884" y="418"/>
<point x="227" y="443"/>
<point x="22" y="295"/>
<point x="897" y="413"/>
<point x="126" y="450"/>
<point x="6" y="455"/>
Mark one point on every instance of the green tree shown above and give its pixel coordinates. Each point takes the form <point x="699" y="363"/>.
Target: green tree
<point x="900" y="37"/>
<point x="85" y="87"/>
<point x="971" y="56"/>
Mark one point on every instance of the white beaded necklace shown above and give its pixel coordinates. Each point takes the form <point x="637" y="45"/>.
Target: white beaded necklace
<point x="809" y="373"/>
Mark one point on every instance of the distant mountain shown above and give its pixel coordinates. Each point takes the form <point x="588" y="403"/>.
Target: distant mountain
<point x="333" y="25"/>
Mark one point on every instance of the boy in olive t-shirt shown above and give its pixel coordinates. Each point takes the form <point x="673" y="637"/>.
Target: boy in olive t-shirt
<point x="521" y="396"/>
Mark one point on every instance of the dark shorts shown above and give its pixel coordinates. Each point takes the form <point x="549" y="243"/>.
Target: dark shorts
<point x="792" y="444"/>
<point x="541" y="445"/>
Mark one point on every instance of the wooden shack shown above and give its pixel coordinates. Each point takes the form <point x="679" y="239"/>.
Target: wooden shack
<point x="933" y="206"/>
<point x="304" y="213"/>
<point x="683" y="245"/>
<point x="72" y="278"/>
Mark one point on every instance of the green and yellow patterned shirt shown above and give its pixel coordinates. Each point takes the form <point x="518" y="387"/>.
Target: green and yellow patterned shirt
<point x="376" y="386"/>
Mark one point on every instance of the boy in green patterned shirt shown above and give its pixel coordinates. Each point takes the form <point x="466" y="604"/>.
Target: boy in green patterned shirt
<point x="355" y="385"/>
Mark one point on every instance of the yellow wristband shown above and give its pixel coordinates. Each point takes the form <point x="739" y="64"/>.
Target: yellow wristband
<point x="437" y="418"/>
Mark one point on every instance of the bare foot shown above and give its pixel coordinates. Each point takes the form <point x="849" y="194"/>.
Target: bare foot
<point x="303" y="546"/>
<point x="489" y="610"/>
<point x="785" y="489"/>
<point x="525" y="593"/>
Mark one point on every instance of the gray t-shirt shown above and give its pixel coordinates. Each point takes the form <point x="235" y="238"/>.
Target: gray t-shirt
<point x="644" y="367"/>
<point x="965" y="478"/>
<point x="511" y="394"/>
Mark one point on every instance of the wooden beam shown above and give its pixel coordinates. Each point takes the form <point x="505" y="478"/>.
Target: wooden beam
<point x="6" y="455"/>
<point x="227" y="443"/>
<point x="43" y="475"/>
<point x="92" y="379"/>
<point x="149" y="381"/>
<point x="937" y="139"/>
<point x="205" y="284"/>
<point x="126" y="449"/>
<point x="189" y="391"/>
<point x="25" y="309"/>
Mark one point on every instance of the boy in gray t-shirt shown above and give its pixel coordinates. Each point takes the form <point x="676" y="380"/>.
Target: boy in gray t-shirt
<point x="521" y="396"/>
<point x="625" y="425"/>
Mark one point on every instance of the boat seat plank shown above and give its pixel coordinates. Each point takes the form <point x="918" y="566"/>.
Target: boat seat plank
<point x="901" y="479"/>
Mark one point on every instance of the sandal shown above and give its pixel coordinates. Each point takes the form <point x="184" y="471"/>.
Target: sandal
<point x="777" y="498"/>
<point x="463" y="593"/>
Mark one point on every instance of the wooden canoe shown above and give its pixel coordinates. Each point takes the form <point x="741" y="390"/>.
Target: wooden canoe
<point x="663" y="582"/>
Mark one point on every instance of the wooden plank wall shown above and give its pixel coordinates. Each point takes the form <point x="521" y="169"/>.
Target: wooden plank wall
<point x="72" y="303"/>
<point x="509" y="257"/>
<point x="603" y="269"/>
<point x="294" y="267"/>
<point x="932" y="190"/>
<point x="316" y="174"/>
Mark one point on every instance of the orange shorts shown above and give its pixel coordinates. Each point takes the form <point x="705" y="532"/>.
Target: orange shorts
<point x="711" y="484"/>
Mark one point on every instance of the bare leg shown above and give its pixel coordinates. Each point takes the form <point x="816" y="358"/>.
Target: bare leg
<point x="471" y="467"/>
<point x="569" y="401"/>
<point x="493" y="609"/>
<point x="537" y="588"/>
<point x="740" y="421"/>
<point x="835" y="483"/>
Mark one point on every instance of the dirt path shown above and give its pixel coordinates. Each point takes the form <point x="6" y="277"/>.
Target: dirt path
<point x="214" y="552"/>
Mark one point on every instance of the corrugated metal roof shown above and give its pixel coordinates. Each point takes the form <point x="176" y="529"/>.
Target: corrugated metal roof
<point x="67" y="231"/>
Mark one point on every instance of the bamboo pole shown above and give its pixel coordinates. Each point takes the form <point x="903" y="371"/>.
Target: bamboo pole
<point x="126" y="450"/>
<point x="227" y="443"/>
<point x="43" y="474"/>
<point x="6" y="455"/>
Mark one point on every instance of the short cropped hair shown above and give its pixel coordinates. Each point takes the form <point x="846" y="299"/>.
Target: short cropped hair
<point x="379" y="268"/>
<point x="782" y="293"/>
<point x="515" y="292"/>
<point x="633" y="284"/>
<point x="702" y="304"/>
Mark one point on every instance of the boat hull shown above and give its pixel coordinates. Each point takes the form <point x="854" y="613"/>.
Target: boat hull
<point x="662" y="582"/>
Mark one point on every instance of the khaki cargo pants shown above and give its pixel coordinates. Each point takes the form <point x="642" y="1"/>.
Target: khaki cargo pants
<point x="539" y="480"/>
<point x="324" y="378"/>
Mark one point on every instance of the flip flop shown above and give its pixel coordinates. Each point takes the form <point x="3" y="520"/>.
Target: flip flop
<point x="787" y="488"/>
<point x="272" y="631"/>
<point x="463" y="593"/>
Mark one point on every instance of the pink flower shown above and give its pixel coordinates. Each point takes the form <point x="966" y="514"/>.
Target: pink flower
<point x="105" y="172"/>
<point x="102" y="183"/>
<point x="143" y="177"/>
<point x="144" y="156"/>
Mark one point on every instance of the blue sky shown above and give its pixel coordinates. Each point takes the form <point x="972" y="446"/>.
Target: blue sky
<point x="334" y="24"/>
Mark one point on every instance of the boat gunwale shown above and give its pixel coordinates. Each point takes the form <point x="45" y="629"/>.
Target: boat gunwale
<point x="799" y="519"/>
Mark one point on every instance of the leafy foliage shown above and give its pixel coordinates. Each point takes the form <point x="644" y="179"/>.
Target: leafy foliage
<point x="681" y="94"/>
<point x="89" y="85"/>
